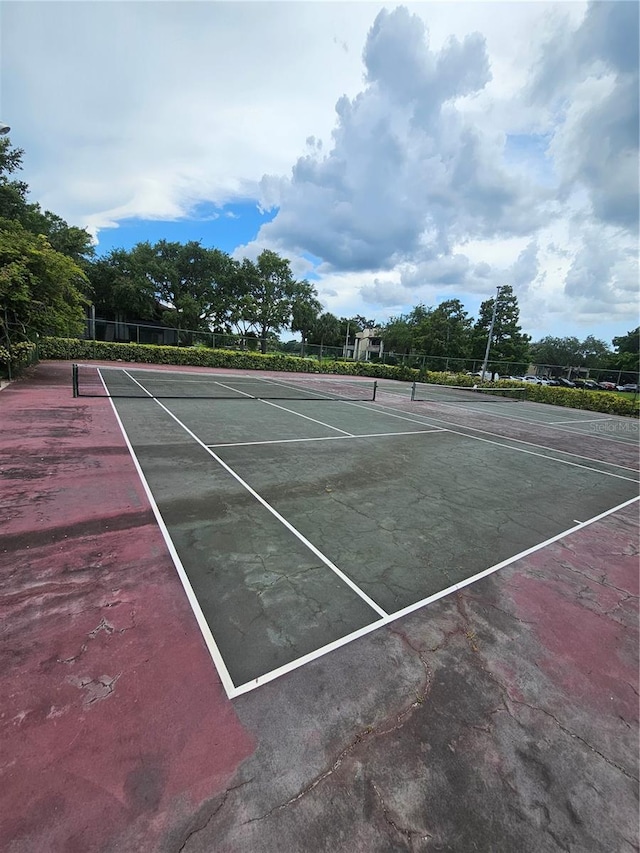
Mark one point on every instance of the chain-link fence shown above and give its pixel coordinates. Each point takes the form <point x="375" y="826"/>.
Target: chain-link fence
<point x="148" y="333"/>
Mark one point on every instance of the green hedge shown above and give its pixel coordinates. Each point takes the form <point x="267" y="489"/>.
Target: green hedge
<point x="577" y="398"/>
<point x="13" y="362"/>
<point x="81" y="350"/>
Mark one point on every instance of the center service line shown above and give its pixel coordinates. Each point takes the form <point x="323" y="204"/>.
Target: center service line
<point x="276" y="406"/>
<point x="382" y="613"/>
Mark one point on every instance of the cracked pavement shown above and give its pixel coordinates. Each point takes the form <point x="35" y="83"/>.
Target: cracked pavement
<point x="502" y="718"/>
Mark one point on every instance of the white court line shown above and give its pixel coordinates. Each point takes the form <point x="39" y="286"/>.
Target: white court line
<point x="276" y="406"/>
<point x="576" y="421"/>
<point x="217" y="658"/>
<point x="501" y="443"/>
<point x="393" y="414"/>
<point x="547" y="424"/>
<point x="233" y="691"/>
<point x="269" y="508"/>
<point x="392" y="617"/>
<point x="366" y="381"/>
<point x="307" y="418"/>
<point x="326" y="438"/>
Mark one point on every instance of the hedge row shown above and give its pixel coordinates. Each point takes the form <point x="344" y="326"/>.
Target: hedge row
<point x="578" y="398"/>
<point x="82" y="350"/>
<point x="21" y="354"/>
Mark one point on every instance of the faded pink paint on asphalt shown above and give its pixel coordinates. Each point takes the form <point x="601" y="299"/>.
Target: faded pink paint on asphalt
<point x="113" y="719"/>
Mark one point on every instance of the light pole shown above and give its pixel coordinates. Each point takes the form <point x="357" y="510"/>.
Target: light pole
<point x="493" y="322"/>
<point x="4" y="129"/>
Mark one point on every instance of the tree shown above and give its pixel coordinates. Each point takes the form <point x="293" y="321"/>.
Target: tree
<point x="13" y="193"/>
<point x="444" y="331"/>
<point x="305" y="309"/>
<point x="627" y="352"/>
<point x="509" y="343"/>
<point x="398" y="334"/>
<point x="268" y="291"/>
<point x="121" y="289"/>
<point x="41" y="290"/>
<point x="563" y="352"/>
<point x="402" y="334"/>
<point x="326" y="331"/>
<point x="67" y="239"/>
<point x="570" y="352"/>
<point x="192" y="283"/>
<point x="594" y="351"/>
<point x="363" y="323"/>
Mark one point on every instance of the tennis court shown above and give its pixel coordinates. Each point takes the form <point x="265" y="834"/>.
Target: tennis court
<point x="302" y="513"/>
<point x="448" y="590"/>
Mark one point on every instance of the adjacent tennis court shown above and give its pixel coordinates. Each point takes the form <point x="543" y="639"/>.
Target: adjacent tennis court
<point x="303" y="512"/>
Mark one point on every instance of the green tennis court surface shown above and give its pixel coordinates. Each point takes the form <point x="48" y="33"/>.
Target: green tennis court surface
<point x="299" y="524"/>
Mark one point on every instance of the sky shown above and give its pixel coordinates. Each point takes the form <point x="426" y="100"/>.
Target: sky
<point x="396" y="154"/>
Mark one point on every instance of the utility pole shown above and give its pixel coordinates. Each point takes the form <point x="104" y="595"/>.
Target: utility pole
<point x="493" y="322"/>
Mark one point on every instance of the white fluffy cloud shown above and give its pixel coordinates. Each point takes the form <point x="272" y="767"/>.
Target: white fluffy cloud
<point x="413" y="154"/>
<point x="407" y="175"/>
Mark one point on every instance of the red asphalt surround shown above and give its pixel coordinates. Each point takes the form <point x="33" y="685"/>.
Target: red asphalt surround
<point x="112" y="711"/>
<point x="503" y="718"/>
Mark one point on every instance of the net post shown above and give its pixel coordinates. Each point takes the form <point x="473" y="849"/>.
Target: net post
<point x="375" y="388"/>
<point x="74" y="379"/>
<point x="413" y="390"/>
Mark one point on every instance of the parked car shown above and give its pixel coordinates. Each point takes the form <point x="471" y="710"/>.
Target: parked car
<point x="587" y="384"/>
<point x="564" y="383"/>
<point x="530" y="378"/>
<point x="630" y="386"/>
<point x="488" y="375"/>
<point x="607" y="386"/>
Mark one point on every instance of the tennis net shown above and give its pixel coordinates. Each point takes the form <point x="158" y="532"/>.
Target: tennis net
<point x="93" y="381"/>
<point x="425" y="392"/>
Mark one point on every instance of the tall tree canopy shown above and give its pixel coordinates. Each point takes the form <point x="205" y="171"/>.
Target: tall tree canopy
<point x="326" y="331"/>
<point x="305" y="309"/>
<point x="627" y="351"/>
<point x="42" y="283"/>
<point x="184" y="285"/>
<point x="268" y="293"/>
<point x="71" y="241"/>
<point x="441" y="331"/>
<point x="509" y="343"/>
<point x="570" y="352"/>
<point x="41" y="290"/>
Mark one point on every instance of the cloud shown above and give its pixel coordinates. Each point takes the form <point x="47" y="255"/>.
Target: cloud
<point x="405" y="171"/>
<point x="587" y="81"/>
<point x="449" y="150"/>
<point x="525" y="270"/>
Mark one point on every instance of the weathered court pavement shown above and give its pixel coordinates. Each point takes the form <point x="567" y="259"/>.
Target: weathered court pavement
<point x="504" y="718"/>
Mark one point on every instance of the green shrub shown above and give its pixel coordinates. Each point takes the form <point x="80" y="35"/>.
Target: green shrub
<point x="577" y="398"/>
<point x="21" y="355"/>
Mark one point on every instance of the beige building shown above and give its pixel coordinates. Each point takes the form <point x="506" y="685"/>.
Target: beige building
<point x="367" y="343"/>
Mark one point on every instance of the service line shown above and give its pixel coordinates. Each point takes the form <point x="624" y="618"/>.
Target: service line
<point x="325" y="437"/>
<point x="268" y="507"/>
